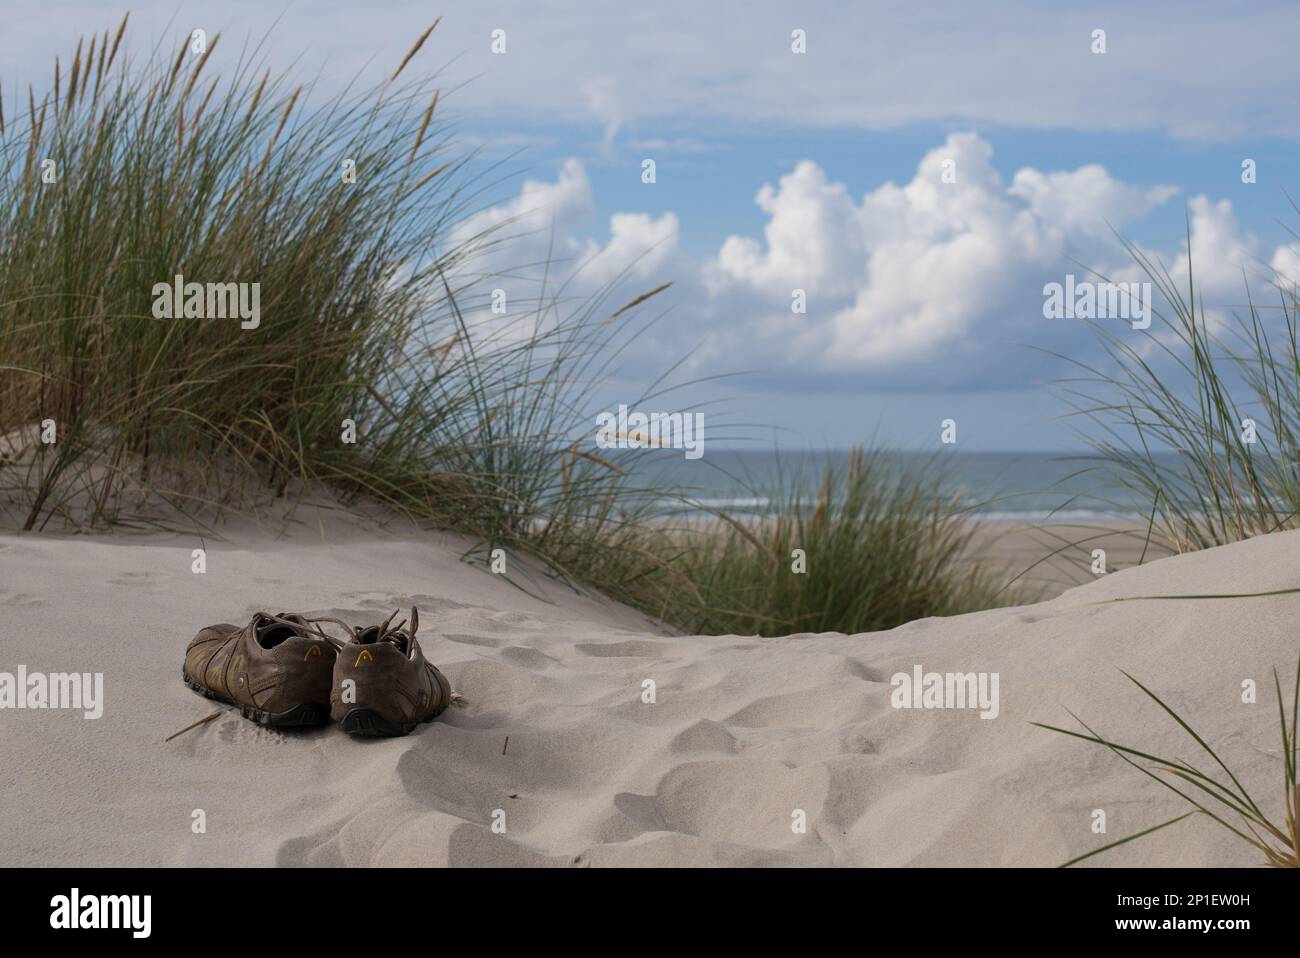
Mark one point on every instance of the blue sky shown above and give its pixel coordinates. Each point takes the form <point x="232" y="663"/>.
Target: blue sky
<point x="778" y="170"/>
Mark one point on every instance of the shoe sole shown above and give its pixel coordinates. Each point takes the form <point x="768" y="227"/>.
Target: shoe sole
<point x="366" y="723"/>
<point x="300" y="716"/>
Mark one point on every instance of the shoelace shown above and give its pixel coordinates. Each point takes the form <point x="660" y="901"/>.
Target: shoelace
<point x="315" y="628"/>
<point x="394" y="634"/>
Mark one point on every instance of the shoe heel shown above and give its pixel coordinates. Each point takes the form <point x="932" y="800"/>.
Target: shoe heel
<point x="369" y="724"/>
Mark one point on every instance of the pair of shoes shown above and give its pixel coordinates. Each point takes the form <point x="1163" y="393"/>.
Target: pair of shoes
<point x="284" y="670"/>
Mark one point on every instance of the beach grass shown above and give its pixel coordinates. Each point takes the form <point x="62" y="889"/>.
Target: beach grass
<point x="881" y="544"/>
<point x="1217" y="794"/>
<point x="1221" y="394"/>
<point x="118" y="179"/>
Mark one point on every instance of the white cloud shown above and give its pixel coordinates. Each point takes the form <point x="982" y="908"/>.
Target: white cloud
<point x="607" y="106"/>
<point x="1225" y="261"/>
<point x="677" y="145"/>
<point x="814" y="237"/>
<point x="539" y="208"/>
<point x="543" y="230"/>
<point x="1286" y="265"/>
<point x="878" y="66"/>
<point x="914" y="271"/>
<point x="639" y="244"/>
<point x="1222" y="257"/>
<point x="925" y="284"/>
<point x="1085" y="202"/>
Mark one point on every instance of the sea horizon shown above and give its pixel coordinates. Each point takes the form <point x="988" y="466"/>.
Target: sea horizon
<point x="1011" y="485"/>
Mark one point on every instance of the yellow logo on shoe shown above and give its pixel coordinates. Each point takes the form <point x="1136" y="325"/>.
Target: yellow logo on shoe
<point x="363" y="656"/>
<point x="314" y="650"/>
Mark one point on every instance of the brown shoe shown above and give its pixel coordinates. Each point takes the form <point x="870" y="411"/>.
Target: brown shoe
<point x="383" y="685"/>
<point x="277" y="669"/>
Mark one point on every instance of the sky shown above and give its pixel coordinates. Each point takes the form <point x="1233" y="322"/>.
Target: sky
<point x="919" y="172"/>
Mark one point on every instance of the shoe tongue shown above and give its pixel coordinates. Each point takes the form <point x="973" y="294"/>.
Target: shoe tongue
<point x="396" y="637"/>
<point x="265" y="623"/>
<point x="270" y="633"/>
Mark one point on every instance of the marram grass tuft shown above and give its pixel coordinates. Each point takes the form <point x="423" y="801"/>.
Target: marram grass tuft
<point x="1221" y="797"/>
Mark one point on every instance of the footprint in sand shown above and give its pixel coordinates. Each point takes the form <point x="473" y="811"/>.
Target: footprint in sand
<point x="428" y="605"/>
<point x="799" y="709"/>
<point x="640" y="811"/>
<point x="742" y="801"/>
<point x="635" y="649"/>
<point x="22" y="600"/>
<point x="527" y="658"/>
<point x="506" y="621"/>
<point x="860" y="670"/>
<point x="136" y="580"/>
<point x="705" y="735"/>
<point x="479" y="640"/>
<point x="235" y="729"/>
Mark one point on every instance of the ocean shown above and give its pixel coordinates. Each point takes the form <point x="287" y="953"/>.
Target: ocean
<point x="1015" y="486"/>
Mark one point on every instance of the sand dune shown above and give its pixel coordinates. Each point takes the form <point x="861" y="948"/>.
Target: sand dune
<point x="556" y="741"/>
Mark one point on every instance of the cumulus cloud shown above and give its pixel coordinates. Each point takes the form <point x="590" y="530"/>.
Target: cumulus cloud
<point x="538" y="208"/>
<point x="1226" y="263"/>
<point x="814" y="236"/>
<point x="545" y="228"/>
<point x="639" y="245"/>
<point x="921" y="269"/>
<point x="933" y="283"/>
<point x="1084" y="202"/>
<point x="1286" y="265"/>
<point x="1222" y="257"/>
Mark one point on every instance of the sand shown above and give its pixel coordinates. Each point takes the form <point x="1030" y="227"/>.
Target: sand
<point x="556" y="759"/>
<point x="1047" y="558"/>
